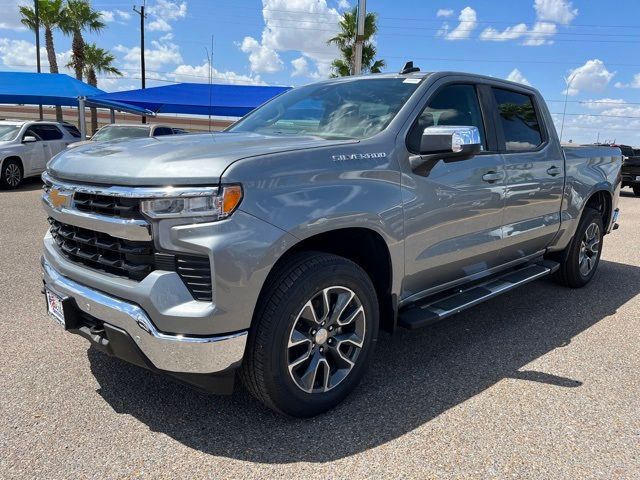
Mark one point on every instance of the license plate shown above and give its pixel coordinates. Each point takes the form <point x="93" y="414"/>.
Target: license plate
<point x="54" y="307"/>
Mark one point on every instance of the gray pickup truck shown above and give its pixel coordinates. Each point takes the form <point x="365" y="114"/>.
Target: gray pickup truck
<point x="277" y="250"/>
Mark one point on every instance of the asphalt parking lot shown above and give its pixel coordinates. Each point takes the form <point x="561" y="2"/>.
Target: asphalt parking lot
<point x="543" y="382"/>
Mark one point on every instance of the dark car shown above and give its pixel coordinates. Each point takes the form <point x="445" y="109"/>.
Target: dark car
<point x="631" y="168"/>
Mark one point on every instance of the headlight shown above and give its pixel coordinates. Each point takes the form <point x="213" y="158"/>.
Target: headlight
<point x="215" y="206"/>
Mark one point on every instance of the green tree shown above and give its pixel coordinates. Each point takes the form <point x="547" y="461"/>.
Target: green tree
<point x="52" y="16"/>
<point x="80" y="16"/>
<point x="97" y="61"/>
<point x="346" y="42"/>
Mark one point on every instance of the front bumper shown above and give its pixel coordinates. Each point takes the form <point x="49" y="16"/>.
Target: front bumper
<point x="169" y="353"/>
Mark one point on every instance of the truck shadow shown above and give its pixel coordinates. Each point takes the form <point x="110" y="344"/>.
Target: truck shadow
<point x="415" y="377"/>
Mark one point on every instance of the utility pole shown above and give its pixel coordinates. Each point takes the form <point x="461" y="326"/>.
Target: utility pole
<point x="142" y="17"/>
<point x="36" y="10"/>
<point x="362" y="15"/>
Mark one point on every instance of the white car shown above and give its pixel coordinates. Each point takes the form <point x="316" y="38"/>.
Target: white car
<point x="115" y="131"/>
<point x="27" y="146"/>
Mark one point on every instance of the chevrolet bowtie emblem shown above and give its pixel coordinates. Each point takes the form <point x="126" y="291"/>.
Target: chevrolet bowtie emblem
<point x="59" y="199"/>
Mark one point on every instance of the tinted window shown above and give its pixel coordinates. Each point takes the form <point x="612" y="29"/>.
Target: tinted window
<point x="162" y="131"/>
<point x="354" y="108"/>
<point x="72" y="130"/>
<point x="120" y="131"/>
<point x="454" y="105"/>
<point x="47" y="132"/>
<point x="519" y="120"/>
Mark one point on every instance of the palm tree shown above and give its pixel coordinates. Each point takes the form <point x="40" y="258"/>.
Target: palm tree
<point x="346" y="42"/>
<point x="52" y="15"/>
<point x="80" y="16"/>
<point x="97" y="60"/>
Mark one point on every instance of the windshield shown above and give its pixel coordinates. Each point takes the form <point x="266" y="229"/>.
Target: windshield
<point x="8" y="132"/>
<point x="113" y="133"/>
<point x="346" y="109"/>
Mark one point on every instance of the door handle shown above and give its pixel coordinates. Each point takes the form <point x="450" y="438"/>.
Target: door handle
<point x="553" y="171"/>
<point x="492" y="177"/>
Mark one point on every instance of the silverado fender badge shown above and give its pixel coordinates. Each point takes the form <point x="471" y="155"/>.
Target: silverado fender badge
<point x="357" y="156"/>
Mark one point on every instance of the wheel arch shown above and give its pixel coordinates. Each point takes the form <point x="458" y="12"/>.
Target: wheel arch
<point x="602" y="201"/>
<point x="365" y="247"/>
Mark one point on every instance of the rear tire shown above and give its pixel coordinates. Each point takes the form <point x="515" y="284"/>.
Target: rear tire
<point x="636" y="190"/>
<point x="11" y="174"/>
<point x="582" y="256"/>
<point x="320" y="308"/>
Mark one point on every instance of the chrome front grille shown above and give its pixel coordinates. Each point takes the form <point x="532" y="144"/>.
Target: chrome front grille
<point x="108" y="205"/>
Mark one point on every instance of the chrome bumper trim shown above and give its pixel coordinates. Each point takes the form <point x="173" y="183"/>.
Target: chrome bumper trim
<point x="128" y="229"/>
<point x="130" y="192"/>
<point x="172" y="353"/>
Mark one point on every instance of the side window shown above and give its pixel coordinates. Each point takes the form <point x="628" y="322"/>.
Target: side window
<point x="73" y="130"/>
<point x="453" y="105"/>
<point x="162" y="131"/>
<point x="47" y="132"/>
<point x="519" y="120"/>
<point x="32" y="133"/>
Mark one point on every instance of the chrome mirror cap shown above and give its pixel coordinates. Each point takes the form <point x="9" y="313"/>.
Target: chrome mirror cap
<point x="455" y="137"/>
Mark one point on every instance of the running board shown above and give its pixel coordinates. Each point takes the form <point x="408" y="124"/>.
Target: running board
<point x="433" y="311"/>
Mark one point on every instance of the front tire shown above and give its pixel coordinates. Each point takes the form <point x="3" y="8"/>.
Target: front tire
<point x="11" y="174"/>
<point x="583" y="253"/>
<point x="313" y="335"/>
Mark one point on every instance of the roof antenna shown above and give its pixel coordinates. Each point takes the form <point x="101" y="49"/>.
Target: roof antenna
<point x="409" y="68"/>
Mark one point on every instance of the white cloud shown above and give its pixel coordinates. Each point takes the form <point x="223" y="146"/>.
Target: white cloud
<point x="556" y="11"/>
<point x="468" y="22"/>
<point x="344" y="4"/>
<point x="444" y="13"/>
<point x="10" y="19"/>
<point x="593" y="76"/>
<point x="635" y="82"/>
<point x="509" y="33"/>
<point x="262" y="58"/>
<point x="160" y="54"/>
<point x="163" y="12"/>
<point x="21" y="55"/>
<point x="118" y="16"/>
<point x="108" y="16"/>
<point x="200" y="74"/>
<point x="603" y="103"/>
<point x="301" y="68"/>
<point x="315" y="23"/>
<point x="549" y="13"/>
<point x="516" y="76"/>
<point x="541" y="34"/>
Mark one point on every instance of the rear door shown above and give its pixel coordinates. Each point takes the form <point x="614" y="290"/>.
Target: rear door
<point x="453" y="213"/>
<point x="534" y="165"/>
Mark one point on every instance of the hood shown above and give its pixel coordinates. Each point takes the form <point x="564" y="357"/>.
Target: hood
<point x="172" y="159"/>
<point x="79" y="144"/>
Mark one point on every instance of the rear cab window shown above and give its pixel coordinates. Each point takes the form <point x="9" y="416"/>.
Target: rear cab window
<point x="519" y="120"/>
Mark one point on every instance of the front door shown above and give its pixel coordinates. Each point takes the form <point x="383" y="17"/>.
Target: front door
<point x="452" y="213"/>
<point x="535" y="174"/>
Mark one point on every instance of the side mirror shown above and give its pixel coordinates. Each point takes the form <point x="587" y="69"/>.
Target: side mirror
<point x="448" y="143"/>
<point x="29" y="139"/>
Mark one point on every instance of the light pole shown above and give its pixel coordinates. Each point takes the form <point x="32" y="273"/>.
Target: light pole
<point x="36" y="11"/>
<point x="142" y="69"/>
<point x="362" y="15"/>
<point x="568" y="81"/>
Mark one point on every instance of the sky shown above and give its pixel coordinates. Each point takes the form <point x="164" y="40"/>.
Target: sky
<point x="581" y="50"/>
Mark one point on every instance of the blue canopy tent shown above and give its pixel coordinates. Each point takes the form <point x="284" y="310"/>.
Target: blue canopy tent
<point x="26" y="88"/>
<point x="197" y="98"/>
